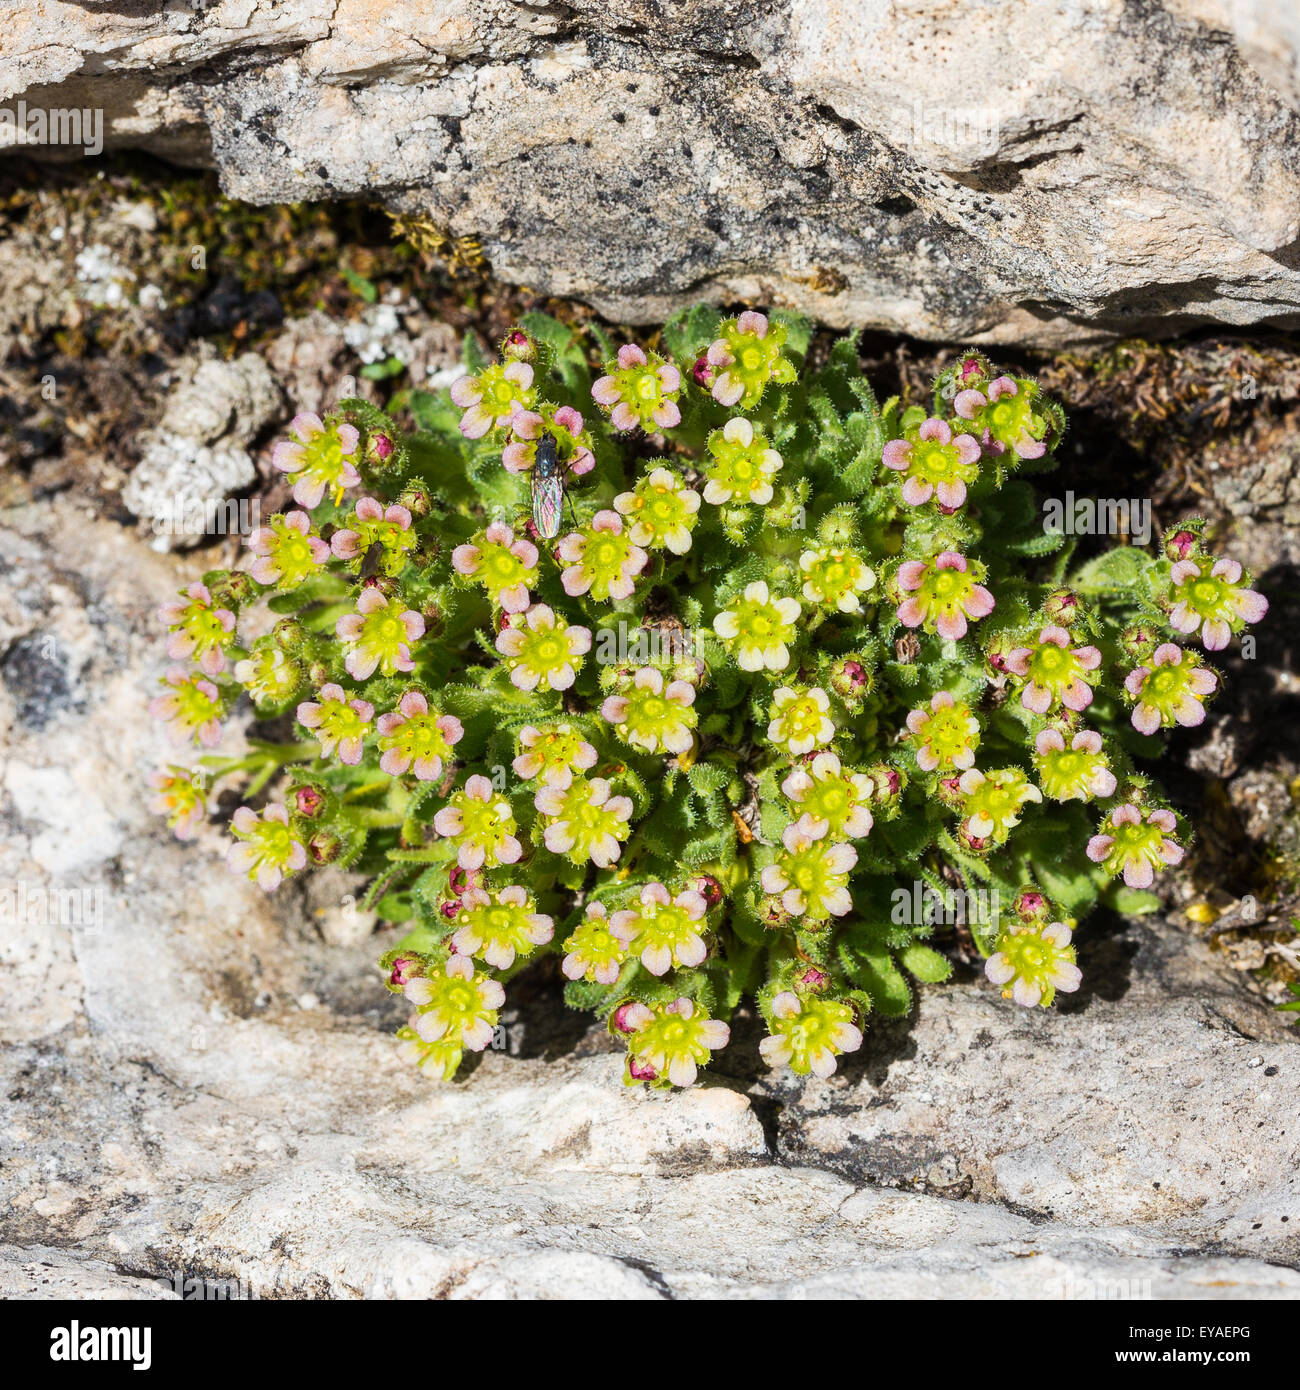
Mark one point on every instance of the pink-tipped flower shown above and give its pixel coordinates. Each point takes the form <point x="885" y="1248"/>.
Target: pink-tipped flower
<point x="266" y="848"/>
<point x="640" y="389"/>
<point x="1007" y="414"/>
<point x="178" y="795"/>
<point x="198" y="629"/>
<point x="812" y="875"/>
<point x="481" y="824"/>
<point x="541" y="649"/>
<point x="585" y="821"/>
<point x="594" y="953"/>
<point x="505" y="566"/>
<point x="944" y="593"/>
<point x="1077" y="772"/>
<point x="1034" y="961"/>
<point x="746" y="357"/>
<point x="320" y="457"/>
<point x="932" y="461"/>
<point x="665" y="931"/>
<point x="946" y="735"/>
<point x="374" y="524"/>
<point x="1170" y="691"/>
<point x="553" y="754"/>
<point x="1216" y="604"/>
<point x="378" y="636"/>
<point x="599" y="559"/>
<point x="653" y="716"/>
<point x="1054" y="671"/>
<point x="287" y="552"/>
<point x="337" y="722"/>
<point x="414" y="737"/>
<point x="491" y="398"/>
<point x="563" y="424"/>
<point x="1136" y="842"/>
<point x="191" y="707"/>
<point x="500" y="927"/>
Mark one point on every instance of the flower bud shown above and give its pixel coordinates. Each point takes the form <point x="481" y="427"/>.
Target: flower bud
<point x="620" y="1021"/>
<point x="517" y="346"/>
<point x="380" y="448"/>
<point x="1062" y="607"/>
<point x="708" y="888"/>
<point x="308" y="801"/>
<point x="772" y="913"/>
<point x="851" y="680"/>
<point x="887" y="783"/>
<point x="415" y="500"/>
<point x="230" y="588"/>
<point x="402" y="969"/>
<point x="289" y="634"/>
<point x="640" y="1071"/>
<point x="1180" y="544"/>
<point x="702" y="373"/>
<point x="1031" y="905"/>
<point x="813" y="979"/>
<point x="1139" y="641"/>
<point x="324" y="847"/>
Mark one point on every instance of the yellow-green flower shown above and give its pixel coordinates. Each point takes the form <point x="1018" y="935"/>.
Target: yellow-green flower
<point x="640" y="388"/>
<point x="320" y="457"/>
<point x="946" y="735"/>
<point x="491" y="398"/>
<point x="1215" y="604"/>
<point x="266" y="848"/>
<point x="653" y="717"/>
<point x="812" y="874"/>
<point x="553" y="754"/>
<point x="1136" y="843"/>
<point x="178" y="795"/>
<point x="440" y="1060"/>
<point x="192" y="708"/>
<point x="288" y="552"/>
<point x="504" y="566"/>
<point x="668" y="1043"/>
<point x="835" y="578"/>
<point x="541" y="649"/>
<point x="599" y="559"/>
<point x="594" y="952"/>
<point x="809" y="1033"/>
<point x="389" y="528"/>
<point x="268" y="675"/>
<point x="455" y="1006"/>
<point x="661" y="511"/>
<point x="1079" y="772"/>
<point x="800" y="720"/>
<point x="1033" y="961"/>
<point x="1007" y="414"/>
<point x="481" y="824"/>
<point x="1170" y="691"/>
<point x="378" y="636"/>
<point x="743" y="466"/>
<point x="664" y="931"/>
<point x="830" y="800"/>
<point x="1053" y="670"/>
<point x="757" y="628"/>
<point x="585" y="822"/>
<point x="198" y="630"/>
<point x="746" y="355"/>
<point x="498" y="927"/>
<point x="933" y="461"/>
<point x="993" y="800"/>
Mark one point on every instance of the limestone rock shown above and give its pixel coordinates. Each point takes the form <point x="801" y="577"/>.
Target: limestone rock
<point x="1006" y="171"/>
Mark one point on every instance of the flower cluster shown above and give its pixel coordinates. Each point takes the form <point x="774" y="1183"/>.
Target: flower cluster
<point x="796" y="657"/>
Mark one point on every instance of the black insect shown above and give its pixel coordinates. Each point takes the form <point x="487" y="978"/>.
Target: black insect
<point x="548" y="488"/>
<point x="372" y="561"/>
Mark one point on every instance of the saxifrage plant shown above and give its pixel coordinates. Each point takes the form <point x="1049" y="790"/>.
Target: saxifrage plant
<point x="797" y="668"/>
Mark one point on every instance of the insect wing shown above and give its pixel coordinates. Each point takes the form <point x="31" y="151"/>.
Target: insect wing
<point x="548" y="488"/>
<point x="548" y="504"/>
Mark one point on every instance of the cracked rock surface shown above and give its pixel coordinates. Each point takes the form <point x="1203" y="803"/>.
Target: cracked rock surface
<point x="1004" y="171"/>
<point x="200" y="1083"/>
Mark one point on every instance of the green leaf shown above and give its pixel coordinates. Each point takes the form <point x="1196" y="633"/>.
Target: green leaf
<point x="925" y="963"/>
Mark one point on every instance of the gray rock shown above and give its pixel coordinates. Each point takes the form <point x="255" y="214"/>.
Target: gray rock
<point x="1007" y="171"/>
<point x="203" y="1098"/>
<point x="198" y="455"/>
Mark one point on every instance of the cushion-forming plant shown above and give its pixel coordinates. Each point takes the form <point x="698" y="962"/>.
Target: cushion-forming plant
<point x="704" y="671"/>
